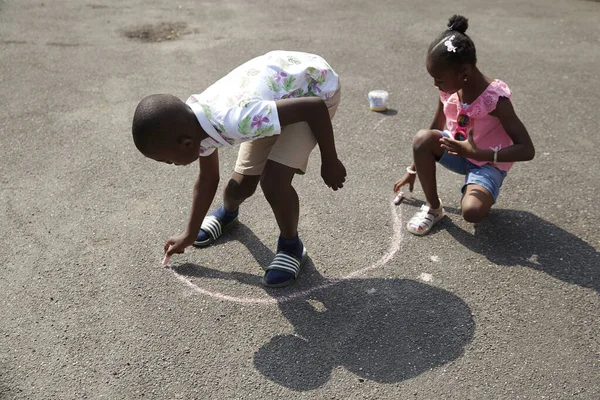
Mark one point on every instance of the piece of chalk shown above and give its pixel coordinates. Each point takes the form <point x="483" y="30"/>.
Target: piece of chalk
<point x="165" y="260"/>
<point x="399" y="198"/>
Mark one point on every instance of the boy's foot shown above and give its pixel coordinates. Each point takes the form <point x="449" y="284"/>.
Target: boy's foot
<point x="285" y="267"/>
<point x="422" y="222"/>
<point x="215" y="225"/>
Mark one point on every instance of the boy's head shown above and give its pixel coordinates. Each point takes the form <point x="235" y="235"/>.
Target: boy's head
<point x="165" y="129"/>
<point x="451" y="57"/>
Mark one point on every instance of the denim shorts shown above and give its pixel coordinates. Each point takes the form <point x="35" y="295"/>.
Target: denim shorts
<point x="483" y="175"/>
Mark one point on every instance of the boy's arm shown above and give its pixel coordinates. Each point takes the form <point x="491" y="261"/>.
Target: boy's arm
<point x="204" y="193"/>
<point x="314" y="111"/>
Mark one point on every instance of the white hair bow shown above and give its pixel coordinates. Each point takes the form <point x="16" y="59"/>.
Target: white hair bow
<point x="449" y="45"/>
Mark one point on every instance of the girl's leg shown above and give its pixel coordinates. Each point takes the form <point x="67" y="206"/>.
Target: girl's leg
<point x="426" y="149"/>
<point x="476" y="203"/>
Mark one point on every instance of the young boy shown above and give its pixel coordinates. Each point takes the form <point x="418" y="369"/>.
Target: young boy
<point x="278" y="106"/>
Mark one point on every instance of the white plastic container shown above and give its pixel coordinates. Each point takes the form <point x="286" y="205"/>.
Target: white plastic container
<point x="378" y="100"/>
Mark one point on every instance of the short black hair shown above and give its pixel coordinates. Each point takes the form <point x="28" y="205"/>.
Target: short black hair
<point x="463" y="48"/>
<point x="157" y="118"/>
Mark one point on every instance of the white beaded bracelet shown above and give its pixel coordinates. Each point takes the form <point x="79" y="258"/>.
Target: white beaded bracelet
<point x="411" y="171"/>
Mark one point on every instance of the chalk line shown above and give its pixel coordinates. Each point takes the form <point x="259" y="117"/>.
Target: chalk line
<point x="379" y="123"/>
<point x="398" y="233"/>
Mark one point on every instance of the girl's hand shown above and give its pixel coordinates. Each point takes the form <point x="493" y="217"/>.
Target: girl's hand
<point x="406" y="179"/>
<point x="463" y="148"/>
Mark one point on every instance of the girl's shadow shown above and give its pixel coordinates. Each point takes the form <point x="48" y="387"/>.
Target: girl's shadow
<point x="385" y="330"/>
<point x="520" y="238"/>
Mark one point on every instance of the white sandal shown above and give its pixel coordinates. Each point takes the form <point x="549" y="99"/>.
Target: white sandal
<point x="422" y="222"/>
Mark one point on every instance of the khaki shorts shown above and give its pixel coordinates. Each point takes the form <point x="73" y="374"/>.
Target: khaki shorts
<point x="291" y="147"/>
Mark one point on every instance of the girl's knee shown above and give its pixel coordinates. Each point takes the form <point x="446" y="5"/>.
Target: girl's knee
<point x="474" y="214"/>
<point x="425" y="139"/>
<point x="476" y="203"/>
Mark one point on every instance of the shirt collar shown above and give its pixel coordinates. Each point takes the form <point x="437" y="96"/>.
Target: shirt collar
<point x="206" y="125"/>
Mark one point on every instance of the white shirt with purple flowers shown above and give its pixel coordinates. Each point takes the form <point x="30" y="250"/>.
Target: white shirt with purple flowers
<point x="241" y="106"/>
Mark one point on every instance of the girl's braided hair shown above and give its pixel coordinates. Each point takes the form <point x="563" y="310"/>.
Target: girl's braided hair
<point x="453" y="47"/>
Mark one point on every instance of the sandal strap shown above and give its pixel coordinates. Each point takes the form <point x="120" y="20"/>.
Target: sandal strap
<point x="423" y="219"/>
<point x="212" y="226"/>
<point x="286" y="262"/>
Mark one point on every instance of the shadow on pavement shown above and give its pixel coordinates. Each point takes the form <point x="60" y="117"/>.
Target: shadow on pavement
<point x="520" y="238"/>
<point x="390" y="112"/>
<point x="385" y="330"/>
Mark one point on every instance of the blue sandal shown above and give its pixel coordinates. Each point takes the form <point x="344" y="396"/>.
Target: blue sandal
<point x="213" y="229"/>
<point x="288" y="263"/>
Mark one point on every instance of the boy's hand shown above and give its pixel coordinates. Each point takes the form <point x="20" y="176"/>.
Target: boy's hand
<point x="333" y="173"/>
<point x="407" y="179"/>
<point x="461" y="148"/>
<point x="177" y="244"/>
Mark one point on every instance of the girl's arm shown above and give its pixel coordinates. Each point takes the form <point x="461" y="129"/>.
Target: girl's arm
<point x="522" y="148"/>
<point x="204" y="193"/>
<point x="439" y="123"/>
<point x="439" y="119"/>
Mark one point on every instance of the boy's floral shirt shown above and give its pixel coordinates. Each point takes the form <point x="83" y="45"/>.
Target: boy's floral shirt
<point x="241" y="106"/>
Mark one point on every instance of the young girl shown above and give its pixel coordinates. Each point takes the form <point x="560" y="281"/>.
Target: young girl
<point x="475" y="131"/>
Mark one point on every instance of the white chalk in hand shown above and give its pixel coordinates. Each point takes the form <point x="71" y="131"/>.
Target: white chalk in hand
<point x="399" y="198"/>
<point x="167" y="257"/>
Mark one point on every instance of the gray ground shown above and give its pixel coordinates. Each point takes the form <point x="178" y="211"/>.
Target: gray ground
<point x="506" y="309"/>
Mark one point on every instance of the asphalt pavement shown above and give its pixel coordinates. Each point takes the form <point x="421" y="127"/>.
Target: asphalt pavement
<point x="505" y="309"/>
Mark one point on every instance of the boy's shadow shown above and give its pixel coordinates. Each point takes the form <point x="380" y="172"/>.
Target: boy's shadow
<point x="385" y="330"/>
<point x="520" y="238"/>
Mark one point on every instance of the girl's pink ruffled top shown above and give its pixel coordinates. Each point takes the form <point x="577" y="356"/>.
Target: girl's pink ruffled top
<point x="488" y="132"/>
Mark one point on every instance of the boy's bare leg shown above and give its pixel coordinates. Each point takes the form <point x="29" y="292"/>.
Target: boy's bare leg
<point x="426" y="149"/>
<point x="276" y="183"/>
<point x="238" y="189"/>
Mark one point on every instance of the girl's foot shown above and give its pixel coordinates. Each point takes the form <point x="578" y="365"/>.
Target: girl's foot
<point x="422" y="222"/>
